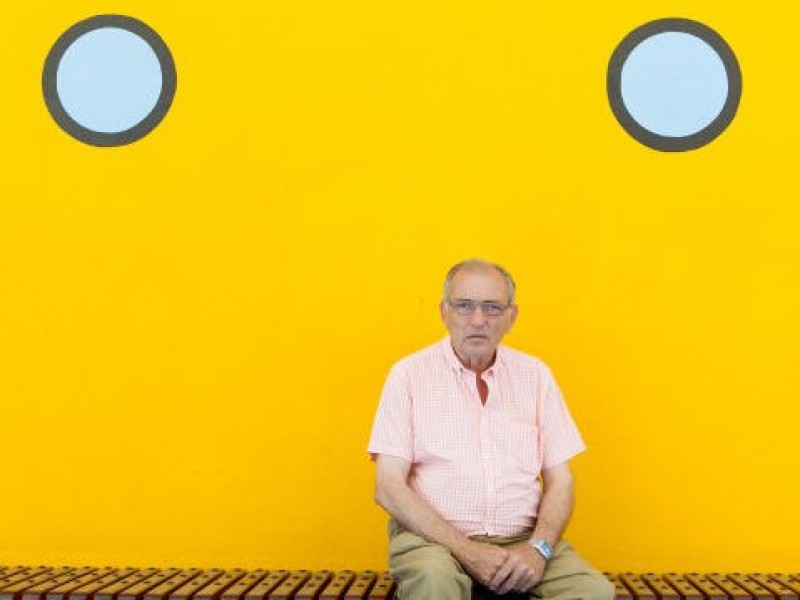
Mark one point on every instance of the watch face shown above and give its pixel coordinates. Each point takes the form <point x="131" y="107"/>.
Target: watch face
<point x="544" y="548"/>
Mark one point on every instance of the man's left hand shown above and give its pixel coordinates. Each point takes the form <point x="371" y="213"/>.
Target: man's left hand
<point x="522" y="570"/>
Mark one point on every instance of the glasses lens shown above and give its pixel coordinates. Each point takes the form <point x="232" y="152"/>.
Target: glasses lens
<point x="492" y="310"/>
<point x="464" y="307"/>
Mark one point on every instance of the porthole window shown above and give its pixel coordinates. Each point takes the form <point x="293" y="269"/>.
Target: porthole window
<point x="674" y="84"/>
<point x="109" y="80"/>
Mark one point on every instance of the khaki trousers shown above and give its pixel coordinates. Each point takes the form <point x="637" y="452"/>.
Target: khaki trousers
<point x="427" y="571"/>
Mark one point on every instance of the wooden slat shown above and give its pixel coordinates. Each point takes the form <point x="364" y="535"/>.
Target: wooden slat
<point x="290" y="585"/>
<point x="313" y="587"/>
<point x="138" y="590"/>
<point x="637" y="586"/>
<point x="709" y="589"/>
<point x="685" y="588"/>
<point x="89" y="589"/>
<point x="662" y="588"/>
<point x="18" y="576"/>
<point x="776" y="588"/>
<point x="336" y="588"/>
<point x="787" y="581"/>
<point x="731" y="588"/>
<point x="621" y="592"/>
<point x="38" y="591"/>
<point x="188" y="589"/>
<point x="6" y="572"/>
<point x="758" y="591"/>
<point x="214" y="589"/>
<point x="262" y="589"/>
<point x="384" y="588"/>
<point x="360" y="588"/>
<point x="239" y="589"/>
<point x="164" y="589"/>
<point x="111" y="591"/>
<point x="16" y="590"/>
<point x="60" y="592"/>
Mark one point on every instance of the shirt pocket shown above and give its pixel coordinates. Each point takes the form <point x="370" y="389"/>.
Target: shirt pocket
<point x="523" y="449"/>
<point x="443" y="439"/>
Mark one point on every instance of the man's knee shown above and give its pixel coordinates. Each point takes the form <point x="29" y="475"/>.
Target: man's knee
<point x="593" y="586"/>
<point x="570" y="577"/>
<point x="608" y="592"/>
<point x="426" y="571"/>
<point x="586" y="585"/>
<point x="437" y="579"/>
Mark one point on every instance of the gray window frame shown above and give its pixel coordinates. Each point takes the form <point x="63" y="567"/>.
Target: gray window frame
<point x="169" y="81"/>
<point x="650" y="138"/>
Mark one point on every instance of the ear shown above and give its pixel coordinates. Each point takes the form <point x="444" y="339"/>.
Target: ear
<point x="442" y="308"/>
<point x="514" y="313"/>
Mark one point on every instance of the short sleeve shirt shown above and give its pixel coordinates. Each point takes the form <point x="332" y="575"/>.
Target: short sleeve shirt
<point x="477" y="464"/>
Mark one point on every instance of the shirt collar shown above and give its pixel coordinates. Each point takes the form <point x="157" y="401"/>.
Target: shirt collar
<point x="455" y="363"/>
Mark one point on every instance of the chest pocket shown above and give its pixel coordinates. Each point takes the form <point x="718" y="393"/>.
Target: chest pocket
<point x="443" y="438"/>
<point x="523" y="449"/>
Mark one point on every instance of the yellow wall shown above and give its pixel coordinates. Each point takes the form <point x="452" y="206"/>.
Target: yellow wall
<point x="194" y="329"/>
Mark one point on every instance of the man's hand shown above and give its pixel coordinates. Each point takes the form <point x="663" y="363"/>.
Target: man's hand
<point x="482" y="561"/>
<point x="392" y="492"/>
<point x="522" y="570"/>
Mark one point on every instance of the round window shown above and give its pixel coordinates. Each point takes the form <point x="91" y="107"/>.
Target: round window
<point x="674" y="84"/>
<point x="109" y="80"/>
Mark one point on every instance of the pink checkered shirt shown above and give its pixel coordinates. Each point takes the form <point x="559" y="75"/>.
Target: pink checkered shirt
<point x="477" y="465"/>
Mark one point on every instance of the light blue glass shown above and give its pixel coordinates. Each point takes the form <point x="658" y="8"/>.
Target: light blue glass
<point x="109" y="80"/>
<point x="674" y="84"/>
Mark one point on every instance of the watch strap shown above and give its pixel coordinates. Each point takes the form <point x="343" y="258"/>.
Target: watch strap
<point x="543" y="547"/>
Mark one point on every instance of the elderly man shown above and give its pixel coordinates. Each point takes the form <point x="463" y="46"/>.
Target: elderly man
<point x="472" y="441"/>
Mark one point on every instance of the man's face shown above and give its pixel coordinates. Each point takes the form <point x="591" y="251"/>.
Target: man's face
<point x="475" y="336"/>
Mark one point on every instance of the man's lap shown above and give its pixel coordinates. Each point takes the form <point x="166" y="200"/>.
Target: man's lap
<point x="567" y="575"/>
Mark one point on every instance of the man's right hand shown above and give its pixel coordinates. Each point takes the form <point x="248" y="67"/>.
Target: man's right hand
<point x="481" y="561"/>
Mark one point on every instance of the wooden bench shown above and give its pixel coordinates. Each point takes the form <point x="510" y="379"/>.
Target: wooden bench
<point x="111" y="583"/>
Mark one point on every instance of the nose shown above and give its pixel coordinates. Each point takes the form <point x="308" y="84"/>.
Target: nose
<point x="477" y="319"/>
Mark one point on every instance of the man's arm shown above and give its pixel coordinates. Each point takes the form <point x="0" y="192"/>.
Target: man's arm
<point x="392" y="492"/>
<point x="557" y="503"/>
<point x="525" y="565"/>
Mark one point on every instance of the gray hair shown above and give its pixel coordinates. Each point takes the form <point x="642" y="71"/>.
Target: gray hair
<point x="477" y="264"/>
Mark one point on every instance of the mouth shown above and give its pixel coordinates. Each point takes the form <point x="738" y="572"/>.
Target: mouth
<point x="477" y="337"/>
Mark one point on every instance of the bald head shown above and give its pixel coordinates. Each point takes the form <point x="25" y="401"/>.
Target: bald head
<point x="477" y="265"/>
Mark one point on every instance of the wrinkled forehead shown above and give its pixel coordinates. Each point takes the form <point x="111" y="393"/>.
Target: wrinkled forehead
<point x="479" y="284"/>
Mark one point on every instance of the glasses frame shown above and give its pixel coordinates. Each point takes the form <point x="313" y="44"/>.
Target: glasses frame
<point x="470" y="306"/>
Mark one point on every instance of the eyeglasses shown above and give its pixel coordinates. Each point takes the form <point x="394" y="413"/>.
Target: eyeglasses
<point x="465" y="308"/>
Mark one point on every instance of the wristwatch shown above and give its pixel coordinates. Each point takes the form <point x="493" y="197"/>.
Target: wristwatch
<point x="543" y="547"/>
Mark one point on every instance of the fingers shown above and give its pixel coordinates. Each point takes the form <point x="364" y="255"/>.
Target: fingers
<point x="515" y="574"/>
<point x="485" y="561"/>
<point x="499" y="567"/>
<point x="513" y="582"/>
<point x="504" y="573"/>
<point x="521" y="580"/>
